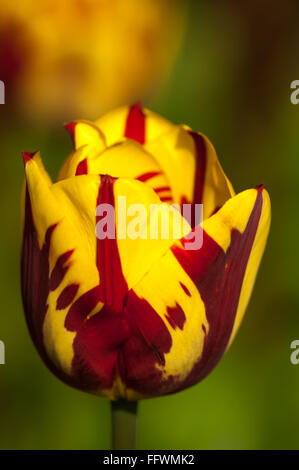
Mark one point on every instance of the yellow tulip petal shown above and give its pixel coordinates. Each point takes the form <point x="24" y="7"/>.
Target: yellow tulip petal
<point x="150" y="228"/>
<point x="88" y="140"/>
<point x="224" y="269"/>
<point x="127" y="159"/>
<point x="190" y="163"/>
<point x="85" y="133"/>
<point x="170" y="324"/>
<point x="188" y="159"/>
<point x="58" y="260"/>
<point x="187" y="307"/>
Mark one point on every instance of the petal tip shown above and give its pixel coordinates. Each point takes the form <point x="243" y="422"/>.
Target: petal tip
<point x="137" y="105"/>
<point x="136" y="109"/>
<point x="27" y="156"/>
<point x="70" y="127"/>
<point x="260" y="188"/>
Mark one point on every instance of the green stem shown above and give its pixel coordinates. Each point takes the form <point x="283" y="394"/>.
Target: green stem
<point x="123" y="414"/>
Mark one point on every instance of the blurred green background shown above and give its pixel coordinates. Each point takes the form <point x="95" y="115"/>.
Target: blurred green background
<point x="231" y="81"/>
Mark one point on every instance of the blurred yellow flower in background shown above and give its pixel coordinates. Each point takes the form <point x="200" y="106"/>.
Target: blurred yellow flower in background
<point x="60" y="58"/>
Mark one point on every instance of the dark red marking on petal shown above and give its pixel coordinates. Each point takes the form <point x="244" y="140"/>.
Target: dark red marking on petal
<point x="185" y="289"/>
<point x="218" y="276"/>
<point x="147" y="176"/>
<point x="113" y="286"/>
<point x="135" y="124"/>
<point x="260" y="187"/>
<point x="82" y="168"/>
<point x="96" y="346"/>
<point x="60" y="270"/>
<point x="146" y="347"/>
<point x="162" y="189"/>
<point x="81" y="308"/>
<point x="70" y="127"/>
<point x="176" y="316"/>
<point x="67" y="296"/>
<point x="27" y="156"/>
<point x="204" y="329"/>
<point x="146" y="321"/>
<point x="131" y="342"/>
<point x="165" y="199"/>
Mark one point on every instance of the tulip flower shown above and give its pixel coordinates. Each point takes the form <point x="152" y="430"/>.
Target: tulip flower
<point x="137" y="318"/>
<point x="59" y="58"/>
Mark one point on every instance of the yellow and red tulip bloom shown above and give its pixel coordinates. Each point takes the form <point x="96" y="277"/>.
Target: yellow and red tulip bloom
<point x="59" y="58"/>
<point x="136" y="318"/>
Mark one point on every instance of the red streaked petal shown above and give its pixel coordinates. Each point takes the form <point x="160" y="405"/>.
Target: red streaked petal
<point x="35" y="281"/>
<point x="60" y="270"/>
<point x="218" y="276"/>
<point x="67" y="296"/>
<point x="81" y="308"/>
<point x="176" y="316"/>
